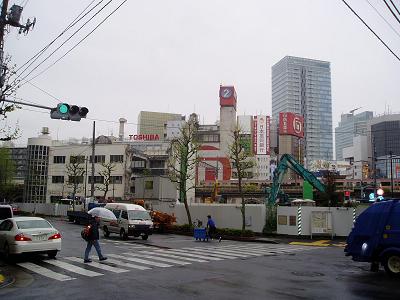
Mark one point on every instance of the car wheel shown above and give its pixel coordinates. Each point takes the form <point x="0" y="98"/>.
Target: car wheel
<point x="52" y="253"/>
<point x="123" y="235"/>
<point x="106" y="232"/>
<point x="6" y="251"/>
<point x="145" y="237"/>
<point x="391" y="264"/>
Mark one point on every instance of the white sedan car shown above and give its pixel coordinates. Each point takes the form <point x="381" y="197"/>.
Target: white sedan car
<point x="29" y="234"/>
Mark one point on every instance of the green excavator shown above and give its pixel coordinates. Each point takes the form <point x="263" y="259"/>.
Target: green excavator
<point x="288" y="161"/>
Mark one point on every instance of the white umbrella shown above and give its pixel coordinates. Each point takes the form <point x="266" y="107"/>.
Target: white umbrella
<point x="103" y="213"/>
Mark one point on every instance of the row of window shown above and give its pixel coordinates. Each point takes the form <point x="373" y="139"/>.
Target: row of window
<point x="79" y="179"/>
<point x="81" y="159"/>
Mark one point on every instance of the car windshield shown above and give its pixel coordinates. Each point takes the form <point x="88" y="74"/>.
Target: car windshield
<point x="5" y="213"/>
<point x="138" y="215"/>
<point x="28" y="224"/>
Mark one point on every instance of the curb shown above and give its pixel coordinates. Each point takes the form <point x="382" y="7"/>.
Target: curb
<point x="6" y="280"/>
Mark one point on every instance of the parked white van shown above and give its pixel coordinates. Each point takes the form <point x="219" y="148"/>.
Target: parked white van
<point x="132" y="220"/>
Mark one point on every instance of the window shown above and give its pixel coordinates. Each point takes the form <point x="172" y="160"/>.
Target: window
<point x="59" y="159"/>
<point x="77" y="159"/>
<point x="124" y="215"/>
<point x="292" y="220"/>
<point x="148" y="185"/>
<point x="97" y="179"/>
<point x="75" y="179"/>
<point x="98" y="159"/>
<point x="116" y="158"/>
<point x="33" y="224"/>
<point x="116" y="179"/>
<point x="6" y="225"/>
<point x="116" y="212"/>
<point x="57" y="179"/>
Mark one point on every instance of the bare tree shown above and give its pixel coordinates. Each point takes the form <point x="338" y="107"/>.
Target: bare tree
<point x="183" y="160"/>
<point x="75" y="172"/>
<point x="107" y="169"/>
<point x="241" y="162"/>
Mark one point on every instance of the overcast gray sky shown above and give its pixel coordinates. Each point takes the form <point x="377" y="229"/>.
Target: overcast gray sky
<point x="171" y="56"/>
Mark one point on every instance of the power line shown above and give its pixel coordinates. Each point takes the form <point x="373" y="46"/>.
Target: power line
<point x="383" y="18"/>
<point x="72" y="24"/>
<point x="398" y="58"/>
<point x="14" y="83"/>
<point x="395" y="7"/>
<point x="391" y="10"/>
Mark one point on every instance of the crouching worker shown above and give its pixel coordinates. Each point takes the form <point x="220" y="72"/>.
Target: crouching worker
<point x="93" y="240"/>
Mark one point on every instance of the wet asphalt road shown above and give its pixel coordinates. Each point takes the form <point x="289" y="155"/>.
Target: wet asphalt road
<point x="228" y="270"/>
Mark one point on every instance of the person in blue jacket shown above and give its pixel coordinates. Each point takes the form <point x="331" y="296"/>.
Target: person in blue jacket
<point x="93" y="240"/>
<point x="211" y="228"/>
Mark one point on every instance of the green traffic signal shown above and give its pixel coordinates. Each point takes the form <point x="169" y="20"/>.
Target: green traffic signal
<point x="63" y="108"/>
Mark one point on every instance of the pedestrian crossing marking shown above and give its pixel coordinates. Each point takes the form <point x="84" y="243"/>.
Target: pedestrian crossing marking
<point x="142" y="261"/>
<point x="72" y="268"/>
<point x="97" y="265"/>
<point x="44" y="271"/>
<point x="147" y="260"/>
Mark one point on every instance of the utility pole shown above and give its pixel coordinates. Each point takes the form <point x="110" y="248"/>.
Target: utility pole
<point x="93" y="152"/>
<point x="374" y="162"/>
<point x="3" y="23"/>
<point x="391" y="173"/>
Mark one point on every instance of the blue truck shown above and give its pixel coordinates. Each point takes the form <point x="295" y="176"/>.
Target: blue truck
<point x="375" y="237"/>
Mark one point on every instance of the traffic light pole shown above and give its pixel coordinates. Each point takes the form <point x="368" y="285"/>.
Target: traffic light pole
<point x="93" y="152"/>
<point x="28" y="104"/>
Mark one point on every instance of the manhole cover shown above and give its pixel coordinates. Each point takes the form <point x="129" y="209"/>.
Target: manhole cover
<point x="308" y="274"/>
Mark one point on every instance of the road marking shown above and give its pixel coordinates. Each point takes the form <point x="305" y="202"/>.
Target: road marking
<point x="102" y="266"/>
<point x="126" y="264"/>
<point x="72" y="268"/>
<point x="44" y="271"/>
<point x="320" y="243"/>
<point x="142" y="261"/>
<point x="174" y="256"/>
<point x="225" y="252"/>
<point x="209" y="254"/>
<point x="185" y="253"/>
<point x="168" y="260"/>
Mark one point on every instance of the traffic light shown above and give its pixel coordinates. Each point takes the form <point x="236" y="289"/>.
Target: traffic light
<point x="65" y="111"/>
<point x="346" y="195"/>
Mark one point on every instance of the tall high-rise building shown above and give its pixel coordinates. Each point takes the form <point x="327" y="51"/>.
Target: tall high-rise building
<point x="303" y="86"/>
<point x="350" y="125"/>
<point x="154" y="123"/>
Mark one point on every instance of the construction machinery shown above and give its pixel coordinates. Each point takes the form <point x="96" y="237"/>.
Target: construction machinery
<point x="161" y="220"/>
<point x="288" y="161"/>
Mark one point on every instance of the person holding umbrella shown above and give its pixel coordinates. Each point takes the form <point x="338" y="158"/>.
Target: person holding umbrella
<point x="93" y="237"/>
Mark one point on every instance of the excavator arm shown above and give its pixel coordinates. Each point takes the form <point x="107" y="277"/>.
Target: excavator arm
<point x="288" y="161"/>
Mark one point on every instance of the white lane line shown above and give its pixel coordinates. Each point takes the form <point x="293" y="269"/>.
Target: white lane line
<point x="188" y="254"/>
<point x="173" y="256"/>
<point x="102" y="266"/>
<point x="142" y="261"/>
<point x="45" y="272"/>
<point x="126" y="264"/>
<point x="72" y="268"/>
<point x="168" y="260"/>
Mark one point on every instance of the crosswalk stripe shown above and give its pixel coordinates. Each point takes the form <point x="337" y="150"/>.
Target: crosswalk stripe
<point x="142" y="261"/>
<point x="174" y="256"/>
<point x="212" y="256"/>
<point x="250" y="251"/>
<point x="102" y="266"/>
<point x="72" y="268"/>
<point x="168" y="260"/>
<point x="127" y="265"/>
<point x="45" y="272"/>
<point x="185" y="253"/>
<point x="225" y="252"/>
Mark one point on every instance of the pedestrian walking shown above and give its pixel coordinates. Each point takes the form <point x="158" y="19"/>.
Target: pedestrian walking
<point x="93" y="240"/>
<point x="211" y="228"/>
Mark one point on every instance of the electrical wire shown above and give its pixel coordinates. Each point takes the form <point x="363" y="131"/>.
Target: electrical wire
<point x="391" y="10"/>
<point x="76" y="45"/>
<point x="15" y="83"/>
<point x="395" y="7"/>
<point x="398" y="58"/>
<point x="383" y="18"/>
<point x="72" y="24"/>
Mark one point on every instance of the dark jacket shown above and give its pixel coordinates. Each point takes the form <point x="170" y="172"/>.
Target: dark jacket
<point x="94" y="230"/>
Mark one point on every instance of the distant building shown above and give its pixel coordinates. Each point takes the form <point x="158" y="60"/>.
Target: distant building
<point x="303" y="86"/>
<point x="154" y="123"/>
<point x="350" y="125"/>
<point x="384" y="138"/>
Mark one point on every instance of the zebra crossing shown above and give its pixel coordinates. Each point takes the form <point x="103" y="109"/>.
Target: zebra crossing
<point x="146" y="258"/>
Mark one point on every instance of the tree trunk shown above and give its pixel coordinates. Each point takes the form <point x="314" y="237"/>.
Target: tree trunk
<point x="187" y="210"/>
<point x="105" y="192"/>
<point x="243" y="208"/>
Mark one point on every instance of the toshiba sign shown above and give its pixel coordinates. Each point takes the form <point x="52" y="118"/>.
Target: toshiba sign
<point x="144" y="137"/>
<point x="291" y="124"/>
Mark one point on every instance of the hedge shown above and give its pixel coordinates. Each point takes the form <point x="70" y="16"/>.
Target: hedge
<point x="220" y="231"/>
